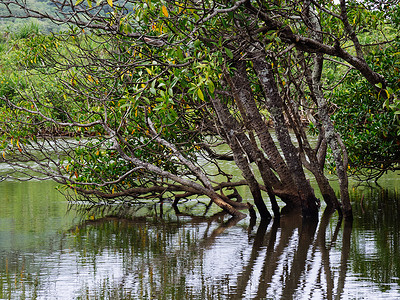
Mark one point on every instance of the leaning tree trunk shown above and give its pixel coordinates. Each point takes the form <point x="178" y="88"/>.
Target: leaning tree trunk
<point x="316" y="157"/>
<point x="275" y="106"/>
<point x="332" y="140"/>
<point x="240" y="157"/>
<point x="323" y="110"/>
<point x="240" y="88"/>
<point x="285" y="186"/>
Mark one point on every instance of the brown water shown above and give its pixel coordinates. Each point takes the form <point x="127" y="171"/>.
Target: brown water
<point x="49" y="250"/>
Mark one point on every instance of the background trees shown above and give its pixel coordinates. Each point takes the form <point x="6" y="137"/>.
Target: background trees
<point x="150" y="90"/>
<point x="371" y="131"/>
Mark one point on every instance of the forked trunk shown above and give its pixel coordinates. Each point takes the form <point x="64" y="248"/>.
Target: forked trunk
<point x="275" y="106"/>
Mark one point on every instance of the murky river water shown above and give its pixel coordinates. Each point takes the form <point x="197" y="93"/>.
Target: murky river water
<point x="49" y="250"/>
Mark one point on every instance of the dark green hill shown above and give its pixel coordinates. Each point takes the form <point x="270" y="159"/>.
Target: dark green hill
<point x="13" y="25"/>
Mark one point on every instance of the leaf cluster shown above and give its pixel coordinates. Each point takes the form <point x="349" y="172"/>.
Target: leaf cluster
<point x="367" y="122"/>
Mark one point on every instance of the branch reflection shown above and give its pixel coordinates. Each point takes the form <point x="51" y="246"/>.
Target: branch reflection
<point x="196" y="256"/>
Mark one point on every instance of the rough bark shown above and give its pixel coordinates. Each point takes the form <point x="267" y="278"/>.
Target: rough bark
<point x="243" y="91"/>
<point x="309" y="156"/>
<point x="323" y="109"/>
<point x="275" y="105"/>
<point x="241" y="88"/>
<point x="240" y="157"/>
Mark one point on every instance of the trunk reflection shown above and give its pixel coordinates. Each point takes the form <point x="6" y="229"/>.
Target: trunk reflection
<point x="290" y="257"/>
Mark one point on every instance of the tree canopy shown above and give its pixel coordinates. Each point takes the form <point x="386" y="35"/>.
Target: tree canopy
<point x="152" y="91"/>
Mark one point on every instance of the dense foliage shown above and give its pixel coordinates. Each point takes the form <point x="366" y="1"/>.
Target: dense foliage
<point x="367" y="121"/>
<point x="152" y="90"/>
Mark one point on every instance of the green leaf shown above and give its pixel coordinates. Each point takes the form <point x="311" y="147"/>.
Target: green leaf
<point x="386" y="103"/>
<point x="110" y="2"/>
<point x="229" y="53"/>
<point x="211" y="86"/>
<point x="127" y="28"/>
<point x="89" y="2"/>
<point x="200" y="94"/>
<point x="78" y="2"/>
<point x="179" y="53"/>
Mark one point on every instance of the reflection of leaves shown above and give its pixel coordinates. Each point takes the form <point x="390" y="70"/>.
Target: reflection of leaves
<point x="379" y="214"/>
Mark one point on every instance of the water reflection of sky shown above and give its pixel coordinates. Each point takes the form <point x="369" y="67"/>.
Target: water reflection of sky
<point x="54" y="257"/>
<point x="219" y="265"/>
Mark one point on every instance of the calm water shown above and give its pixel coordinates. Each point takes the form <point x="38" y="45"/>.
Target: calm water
<point x="50" y="250"/>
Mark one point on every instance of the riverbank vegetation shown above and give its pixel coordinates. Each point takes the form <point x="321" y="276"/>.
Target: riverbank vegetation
<point x="153" y="91"/>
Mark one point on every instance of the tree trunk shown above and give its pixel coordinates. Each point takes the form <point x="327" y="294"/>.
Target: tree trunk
<point x="323" y="110"/>
<point x="240" y="157"/>
<point x="275" y="105"/>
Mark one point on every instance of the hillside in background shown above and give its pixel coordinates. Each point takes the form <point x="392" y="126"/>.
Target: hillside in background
<point x="12" y="25"/>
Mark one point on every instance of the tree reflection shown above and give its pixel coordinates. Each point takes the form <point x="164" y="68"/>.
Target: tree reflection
<point x="158" y="252"/>
<point x="296" y="260"/>
<point x="376" y="236"/>
<point x="287" y="260"/>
